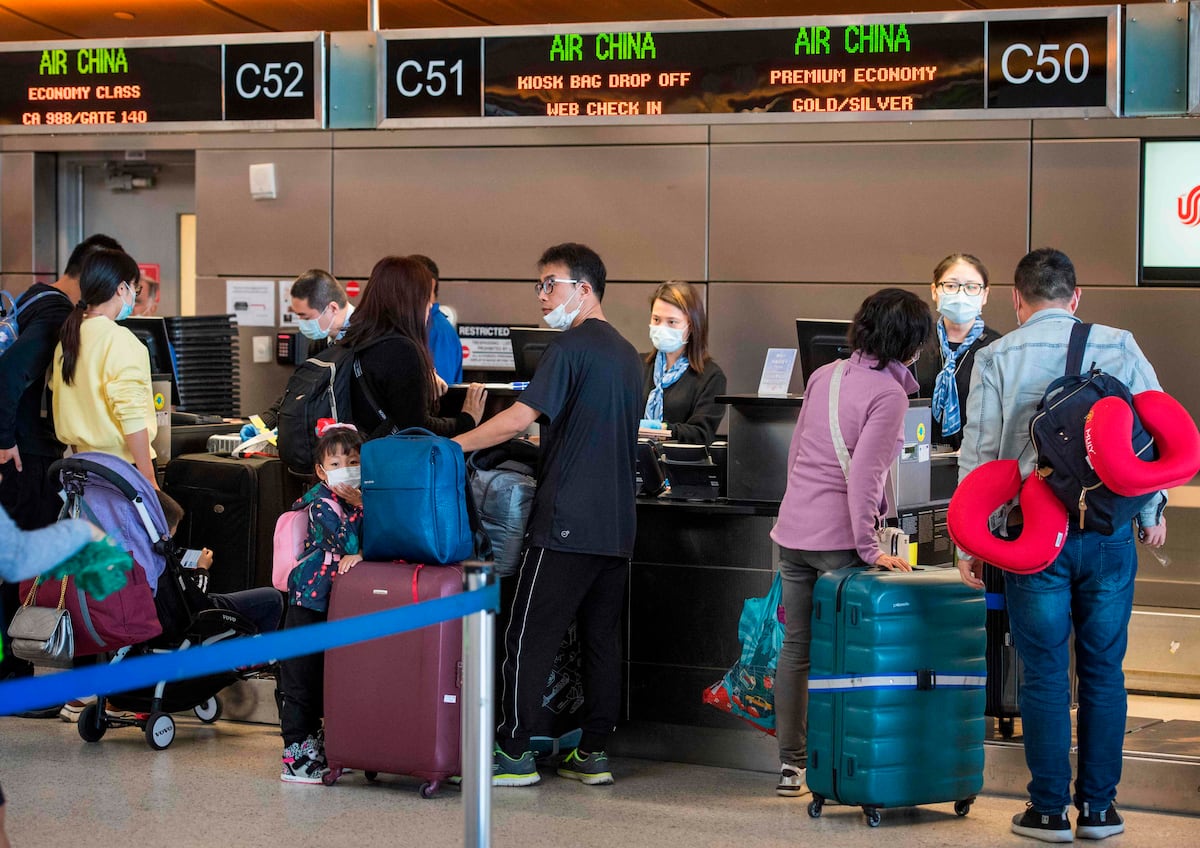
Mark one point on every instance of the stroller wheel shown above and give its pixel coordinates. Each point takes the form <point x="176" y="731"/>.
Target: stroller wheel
<point x="160" y="731"/>
<point x="209" y="711"/>
<point x="92" y="723"/>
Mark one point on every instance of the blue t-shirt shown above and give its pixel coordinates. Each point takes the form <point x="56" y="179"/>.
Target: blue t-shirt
<point x="445" y="347"/>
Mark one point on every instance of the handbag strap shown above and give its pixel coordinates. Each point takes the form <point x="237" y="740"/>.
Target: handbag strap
<point x="835" y="426"/>
<point x="32" y="596"/>
<point x="835" y="430"/>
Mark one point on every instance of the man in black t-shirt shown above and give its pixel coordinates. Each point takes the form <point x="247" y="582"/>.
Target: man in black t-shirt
<point x="587" y="393"/>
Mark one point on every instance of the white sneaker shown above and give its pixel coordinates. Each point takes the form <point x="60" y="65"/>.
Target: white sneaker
<point x="791" y="781"/>
<point x="73" y="709"/>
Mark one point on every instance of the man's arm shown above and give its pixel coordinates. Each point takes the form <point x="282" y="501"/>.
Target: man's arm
<point x="980" y="444"/>
<point x="499" y="428"/>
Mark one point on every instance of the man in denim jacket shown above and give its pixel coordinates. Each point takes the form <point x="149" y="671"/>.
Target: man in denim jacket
<point x="1088" y="588"/>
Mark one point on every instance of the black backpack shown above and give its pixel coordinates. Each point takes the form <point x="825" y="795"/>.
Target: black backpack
<point x="320" y="388"/>
<point x="1056" y="432"/>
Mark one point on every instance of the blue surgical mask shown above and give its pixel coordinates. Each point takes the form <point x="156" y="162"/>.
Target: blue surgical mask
<point x="960" y="307"/>
<point x="126" y="309"/>
<point x="559" y="318"/>
<point x="311" y="328"/>
<point x="667" y="339"/>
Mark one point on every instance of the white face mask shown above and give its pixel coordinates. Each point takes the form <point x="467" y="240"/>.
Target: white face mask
<point x="559" y="318"/>
<point x="667" y="339"/>
<point x="960" y="307"/>
<point x="351" y="476"/>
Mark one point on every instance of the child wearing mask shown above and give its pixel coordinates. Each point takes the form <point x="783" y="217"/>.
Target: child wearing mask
<point x="334" y="540"/>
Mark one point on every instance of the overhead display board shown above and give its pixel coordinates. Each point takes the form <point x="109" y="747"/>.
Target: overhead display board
<point x="1049" y="62"/>
<point x="236" y="82"/>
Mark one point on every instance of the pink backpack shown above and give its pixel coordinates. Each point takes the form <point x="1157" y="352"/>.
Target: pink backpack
<point x="291" y="531"/>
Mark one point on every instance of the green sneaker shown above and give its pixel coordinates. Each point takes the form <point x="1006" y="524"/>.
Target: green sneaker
<point x="592" y="769"/>
<point x="509" y="772"/>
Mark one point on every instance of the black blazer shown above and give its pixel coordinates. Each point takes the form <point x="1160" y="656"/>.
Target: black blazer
<point x="689" y="404"/>
<point x="931" y="363"/>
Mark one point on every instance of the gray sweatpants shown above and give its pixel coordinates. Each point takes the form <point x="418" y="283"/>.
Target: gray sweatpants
<point x="800" y="570"/>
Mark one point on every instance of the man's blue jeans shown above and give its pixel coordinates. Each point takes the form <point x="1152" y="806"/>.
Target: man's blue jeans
<point x="1089" y="588"/>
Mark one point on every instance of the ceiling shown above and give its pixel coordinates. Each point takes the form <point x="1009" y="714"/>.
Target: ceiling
<point x="43" y="20"/>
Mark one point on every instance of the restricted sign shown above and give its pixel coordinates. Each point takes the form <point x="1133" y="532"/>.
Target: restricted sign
<point x="353" y="288"/>
<point x="486" y="346"/>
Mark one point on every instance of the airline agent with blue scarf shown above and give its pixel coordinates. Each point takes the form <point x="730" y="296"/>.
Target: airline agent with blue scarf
<point x="960" y="289"/>
<point x="682" y="383"/>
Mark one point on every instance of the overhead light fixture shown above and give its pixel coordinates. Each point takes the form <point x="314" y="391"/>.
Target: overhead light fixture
<point x="124" y="16"/>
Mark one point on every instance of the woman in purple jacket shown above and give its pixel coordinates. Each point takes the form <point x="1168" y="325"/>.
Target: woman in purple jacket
<point x="827" y="517"/>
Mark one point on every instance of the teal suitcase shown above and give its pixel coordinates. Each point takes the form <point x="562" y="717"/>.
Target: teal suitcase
<point x="896" y="690"/>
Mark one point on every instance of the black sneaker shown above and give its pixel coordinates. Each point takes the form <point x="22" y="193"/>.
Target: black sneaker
<point x="514" y="771"/>
<point x="1048" y="827"/>
<point x="1098" y="824"/>
<point x="591" y="770"/>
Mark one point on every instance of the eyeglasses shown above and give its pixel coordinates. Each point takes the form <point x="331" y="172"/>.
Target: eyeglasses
<point x="547" y="285"/>
<point x="954" y="286"/>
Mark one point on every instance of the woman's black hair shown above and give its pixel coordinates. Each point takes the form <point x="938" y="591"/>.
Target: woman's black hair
<point x="892" y="324"/>
<point x="342" y="440"/>
<point x="104" y="269"/>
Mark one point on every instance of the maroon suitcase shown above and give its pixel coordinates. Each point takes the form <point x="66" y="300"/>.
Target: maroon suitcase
<point x="392" y="705"/>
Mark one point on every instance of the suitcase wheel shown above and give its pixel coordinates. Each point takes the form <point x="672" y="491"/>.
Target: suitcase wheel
<point x="873" y="816"/>
<point x="371" y="775"/>
<point x="331" y="776"/>
<point x="429" y="788"/>
<point x="961" y="808"/>
<point x="815" y="805"/>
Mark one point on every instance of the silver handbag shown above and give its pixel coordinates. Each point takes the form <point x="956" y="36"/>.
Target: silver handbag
<point x="41" y="635"/>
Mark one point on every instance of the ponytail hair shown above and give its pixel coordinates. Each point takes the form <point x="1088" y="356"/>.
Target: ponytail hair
<point x="104" y="269"/>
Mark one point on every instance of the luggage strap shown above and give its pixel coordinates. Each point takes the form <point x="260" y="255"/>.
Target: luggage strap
<point x="921" y="679"/>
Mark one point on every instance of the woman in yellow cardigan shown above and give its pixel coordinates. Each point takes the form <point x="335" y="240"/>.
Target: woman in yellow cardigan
<point x="101" y="373"/>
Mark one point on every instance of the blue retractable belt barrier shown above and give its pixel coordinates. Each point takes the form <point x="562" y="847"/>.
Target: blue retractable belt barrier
<point x="34" y="692"/>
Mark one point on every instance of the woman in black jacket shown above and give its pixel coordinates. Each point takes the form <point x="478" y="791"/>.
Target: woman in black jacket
<point x="682" y="381"/>
<point x="388" y="332"/>
<point x="960" y="290"/>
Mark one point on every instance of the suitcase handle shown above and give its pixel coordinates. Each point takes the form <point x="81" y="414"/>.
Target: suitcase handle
<point x="416" y="574"/>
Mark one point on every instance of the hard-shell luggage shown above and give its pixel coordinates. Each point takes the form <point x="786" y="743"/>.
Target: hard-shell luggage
<point x="896" y="690"/>
<point x="230" y="506"/>
<point x="393" y="705"/>
<point x="1003" y="665"/>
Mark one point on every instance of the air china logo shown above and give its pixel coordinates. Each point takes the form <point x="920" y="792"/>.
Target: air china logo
<point x="1189" y="207"/>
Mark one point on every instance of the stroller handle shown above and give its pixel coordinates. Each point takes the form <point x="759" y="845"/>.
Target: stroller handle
<point x="75" y="464"/>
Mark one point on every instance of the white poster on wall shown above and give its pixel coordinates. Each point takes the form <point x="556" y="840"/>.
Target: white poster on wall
<point x="287" y="318"/>
<point x="251" y="302"/>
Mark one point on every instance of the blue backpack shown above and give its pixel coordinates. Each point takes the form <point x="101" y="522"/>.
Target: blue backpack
<point x="9" y="329"/>
<point x="1056" y="431"/>
<point x="416" y="505"/>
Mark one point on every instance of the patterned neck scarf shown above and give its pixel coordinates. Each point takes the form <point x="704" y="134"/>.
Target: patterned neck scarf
<point x="663" y="377"/>
<point x="945" y="388"/>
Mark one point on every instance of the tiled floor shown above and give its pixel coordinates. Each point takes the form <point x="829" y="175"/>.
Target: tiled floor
<point x="218" y="786"/>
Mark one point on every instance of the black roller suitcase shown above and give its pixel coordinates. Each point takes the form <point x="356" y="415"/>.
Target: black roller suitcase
<point x="231" y="505"/>
<point x="1003" y="665"/>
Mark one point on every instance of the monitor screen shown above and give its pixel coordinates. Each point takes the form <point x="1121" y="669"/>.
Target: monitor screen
<point x="1170" y="223"/>
<point x="152" y="332"/>
<point x="820" y="342"/>
<point x="528" y="344"/>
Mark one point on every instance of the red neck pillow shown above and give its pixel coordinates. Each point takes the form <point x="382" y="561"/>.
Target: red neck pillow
<point x="1108" y="433"/>
<point x="985" y="490"/>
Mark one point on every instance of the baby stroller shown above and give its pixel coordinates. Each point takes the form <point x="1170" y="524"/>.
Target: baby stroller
<point x="113" y="495"/>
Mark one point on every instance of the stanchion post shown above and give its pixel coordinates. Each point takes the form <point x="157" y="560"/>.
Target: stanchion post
<point x="478" y="724"/>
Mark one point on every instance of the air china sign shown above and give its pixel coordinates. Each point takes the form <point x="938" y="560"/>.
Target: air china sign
<point x="1171" y="212"/>
<point x="1189" y="207"/>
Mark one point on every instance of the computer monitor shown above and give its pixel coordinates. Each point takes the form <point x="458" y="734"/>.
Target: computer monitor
<point x="528" y="344"/>
<point x="152" y="332"/>
<point x="821" y="341"/>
